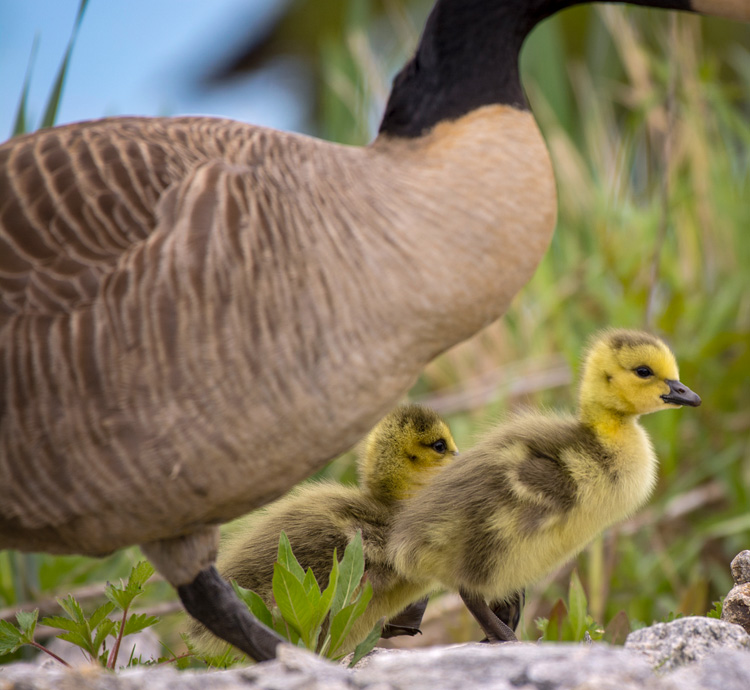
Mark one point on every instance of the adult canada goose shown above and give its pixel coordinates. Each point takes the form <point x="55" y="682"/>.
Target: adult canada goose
<point x="197" y="313"/>
<point x="408" y="448"/>
<point x="539" y="487"/>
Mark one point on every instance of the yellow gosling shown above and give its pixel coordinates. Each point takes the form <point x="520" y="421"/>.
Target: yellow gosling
<point x="539" y="487"/>
<point x="406" y="449"/>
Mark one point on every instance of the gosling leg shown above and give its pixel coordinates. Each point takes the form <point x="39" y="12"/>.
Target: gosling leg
<point x="509" y="610"/>
<point x="493" y="627"/>
<point x="211" y="600"/>
<point x="406" y="622"/>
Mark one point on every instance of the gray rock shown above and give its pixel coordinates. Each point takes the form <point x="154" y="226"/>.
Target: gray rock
<point x="504" y="667"/>
<point x="737" y="603"/>
<point x="741" y="568"/>
<point x="723" y="670"/>
<point x="667" y="646"/>
<point x="521" y="666"/>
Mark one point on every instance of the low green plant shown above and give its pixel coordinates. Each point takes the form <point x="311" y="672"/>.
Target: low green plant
<point x="570" y="622"/>
<point x="90" y="633"/>
<point x="716" y="611"/>
<point x="308" y="617"/>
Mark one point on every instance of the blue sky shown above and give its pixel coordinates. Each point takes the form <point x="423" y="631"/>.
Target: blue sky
<point x="139" y="57"/>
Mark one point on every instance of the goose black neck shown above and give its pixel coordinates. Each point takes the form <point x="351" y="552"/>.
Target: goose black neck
<point x="468" y="58"/>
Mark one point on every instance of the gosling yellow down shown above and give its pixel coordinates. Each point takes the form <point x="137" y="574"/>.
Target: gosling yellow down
<point x="402" y="454"/>
<point x="538" y="488"/>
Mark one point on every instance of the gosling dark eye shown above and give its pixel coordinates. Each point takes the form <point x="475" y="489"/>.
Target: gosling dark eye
<point x="644" y="372"/>
<point x="440" y="446"/>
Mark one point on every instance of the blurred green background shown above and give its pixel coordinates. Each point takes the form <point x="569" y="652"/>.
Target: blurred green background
<point x="646" y="117"/>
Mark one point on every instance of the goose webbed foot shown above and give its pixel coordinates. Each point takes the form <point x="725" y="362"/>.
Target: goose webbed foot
<point x="211" y="600"/>
<point x="493" y="627"/>
<point x="407" y="622"/>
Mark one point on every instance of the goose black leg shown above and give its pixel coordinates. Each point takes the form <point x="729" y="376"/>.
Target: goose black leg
<point x="211" y="600"/>
<point x="493" y="627"/>
<point x="407" y="622"/>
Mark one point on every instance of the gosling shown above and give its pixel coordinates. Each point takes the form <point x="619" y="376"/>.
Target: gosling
<point x="539" y="487"/>
<point x="401" y="455"/>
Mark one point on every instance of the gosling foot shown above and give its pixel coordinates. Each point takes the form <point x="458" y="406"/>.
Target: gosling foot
<point x="406" y="622"/>
<point x="211" y="600"/>
<point x="492" y="626"/>
<point x="509" y="610"/>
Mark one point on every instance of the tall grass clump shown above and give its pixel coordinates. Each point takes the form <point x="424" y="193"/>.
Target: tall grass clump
<point x="645" y="116"/>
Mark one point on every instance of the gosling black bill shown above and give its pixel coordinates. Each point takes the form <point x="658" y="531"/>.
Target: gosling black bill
<point x="680" y="394"/>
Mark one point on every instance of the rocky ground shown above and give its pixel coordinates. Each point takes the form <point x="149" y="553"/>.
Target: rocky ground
<point x="693" y="653"/>
<point x="686" y="654"/>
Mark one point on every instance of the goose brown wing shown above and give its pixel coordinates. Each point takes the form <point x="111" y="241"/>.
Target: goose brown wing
<point x="74" y="199"/>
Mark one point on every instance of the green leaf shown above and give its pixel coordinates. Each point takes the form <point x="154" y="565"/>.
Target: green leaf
<point x="77" y="639"/>
<point x="118" y="596"/>
<point x="53" y="103"/>
<point x="61" y="622"/>
<point x="122" y="595"/>
<point x="343" y="621"/>
<point x="311" y="586"/>
<point x="139" y="575"/>
<point x="106" y="628"/>
<point x="367" y="645"/>
<point x="291" y="599"/>
<point x="715" y="612"/>
<point x="73" y="609"/>
<point x="10" y="638"/>
<point x="27" y="622"/>
<point x="138" y="622"/>
<point x="618" y="629"/>
<point x="557" y="617"/>
<point x="577" y="605"/>
<point x="351" y="569"/>
<point x="283" y="628"/>
<point x="255" y="604"/>
<point x="323" y="605"/>
<point x="100" y="614"/>
<point x="287" y="558"/>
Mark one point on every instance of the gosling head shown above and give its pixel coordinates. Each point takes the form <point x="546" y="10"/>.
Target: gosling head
<point x="630" y="373"/>
<point x="404" y="451"/>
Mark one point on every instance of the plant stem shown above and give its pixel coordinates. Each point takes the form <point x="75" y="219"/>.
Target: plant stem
<point x="116" y="649"/>
<point x="175" y="658"/>
<point x="47" y="651"/>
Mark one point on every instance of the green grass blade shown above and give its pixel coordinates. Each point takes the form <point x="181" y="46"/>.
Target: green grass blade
<point x="20" y="124"/>
<point x="53" y="102"/>
<point x="577" y="606"/>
